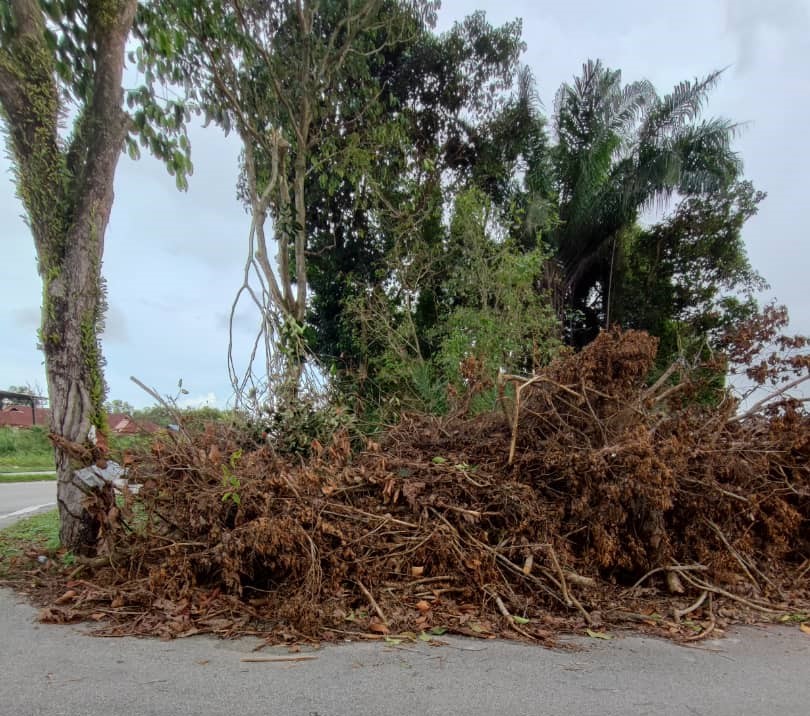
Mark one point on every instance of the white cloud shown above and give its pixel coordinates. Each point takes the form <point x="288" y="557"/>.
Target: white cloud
<point x="209" y="400"/>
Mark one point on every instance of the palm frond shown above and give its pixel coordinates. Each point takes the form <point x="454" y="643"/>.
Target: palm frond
<point x="680" y="107"/>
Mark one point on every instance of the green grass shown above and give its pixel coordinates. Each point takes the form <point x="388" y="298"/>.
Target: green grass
<point x="39" y="532"/>
<point x="23" y="477"/>
<point x="29" y="450"/>
<point x="25" y="450"/>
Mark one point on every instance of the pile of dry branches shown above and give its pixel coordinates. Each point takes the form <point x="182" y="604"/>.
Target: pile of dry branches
<point x="595" y="498"/>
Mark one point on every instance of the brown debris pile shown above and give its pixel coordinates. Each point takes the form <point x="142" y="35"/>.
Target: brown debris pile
<point x="594" y="499"/>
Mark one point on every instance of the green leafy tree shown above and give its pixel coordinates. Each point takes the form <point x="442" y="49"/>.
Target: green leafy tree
<point x="495" y="313"/>
<point x="119" y="406"/>
<point x="276" y="74"/>
<point x="61" y="65"/>
<point x="455" y="110"/>
<point x="490" y="318"/>
<point x="688" y="278"/>
<point x="622" y="148"/>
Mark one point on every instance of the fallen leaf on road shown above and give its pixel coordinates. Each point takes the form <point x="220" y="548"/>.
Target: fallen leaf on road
<point x="597" y="634"/>
<point x="805" y="628"/>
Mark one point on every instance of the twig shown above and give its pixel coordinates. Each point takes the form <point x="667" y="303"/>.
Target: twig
<point x="756" y="406"/>
<point x="734" y="553"/>
<point x="502" y="559"/>
<point x="722" y="592"/>
<point x="561" y="574"/>
<point x="275" y="659"/>
<point x="661" y="380"/>
<point x="372" y="601"/>
<point x="678" y="613"/>
<point x="525" y="383"/>
<point x="157" y="397"/>
<point x="671" y="568"/>
<point x="503" y="610"/>
<point x="580" y="579"/>
<point x="709" y="629"/>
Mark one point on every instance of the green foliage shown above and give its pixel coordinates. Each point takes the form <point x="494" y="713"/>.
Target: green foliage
<point x="29" y="440"/>
<point x="119" y="406"/>
<point x="230" y="481"/>
<point x="496" y="314"/>
<point x="691" y="268"/>
<point x="488" y="316"/>
<point x="296" y="426"/>
<point x="444" y="117"/>
<point x="620" y="149"/>
<point x="14" y="475"/>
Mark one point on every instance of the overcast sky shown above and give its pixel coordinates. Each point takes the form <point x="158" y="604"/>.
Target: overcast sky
<point x="173" y="260"/>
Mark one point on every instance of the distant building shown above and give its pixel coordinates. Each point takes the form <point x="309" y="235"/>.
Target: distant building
<point x="22" y="416"/>
<point x="122" y="424"/>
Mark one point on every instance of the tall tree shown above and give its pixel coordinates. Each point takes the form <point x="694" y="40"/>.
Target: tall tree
<point x="276" y="73"/>
<point x="456" y="111"/>
<point x="62" y="62"/>
<point x="688" y="278"/>
<point x="622" y="148"/>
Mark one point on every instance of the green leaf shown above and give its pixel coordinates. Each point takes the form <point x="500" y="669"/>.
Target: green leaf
<point x="438" y="630"/>
<point x="439" y="460"/>
<point x="520" y="620"/>
<point x="424" y="636"/>
<point x="598" y="634"/>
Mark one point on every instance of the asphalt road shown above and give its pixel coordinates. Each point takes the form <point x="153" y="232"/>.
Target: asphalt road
<point x="58" y="670"/>
<point x="21" y="499"/>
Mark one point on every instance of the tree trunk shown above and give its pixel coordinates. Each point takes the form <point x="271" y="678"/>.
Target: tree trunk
<point x="73" y="306"/>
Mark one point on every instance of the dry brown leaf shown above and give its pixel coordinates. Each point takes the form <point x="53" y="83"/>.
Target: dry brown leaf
<point x="423" y="606"/>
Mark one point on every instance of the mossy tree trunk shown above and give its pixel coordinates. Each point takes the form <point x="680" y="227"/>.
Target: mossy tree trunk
<point x="66" y="186"/>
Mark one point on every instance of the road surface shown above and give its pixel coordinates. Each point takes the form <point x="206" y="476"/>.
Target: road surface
<point x="22" y="499"/>
<point x="57" y="670"/>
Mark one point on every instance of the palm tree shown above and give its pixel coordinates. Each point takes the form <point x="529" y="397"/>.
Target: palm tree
<point x="621" y="149"/>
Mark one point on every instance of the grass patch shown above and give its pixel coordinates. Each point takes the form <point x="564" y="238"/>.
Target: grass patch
<point x="38" y="532"/>
<point x="26" y="463"/>
<point x="25" y="450"/>
<point x="23" y="477"/>
<point x="29" y="450"/>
